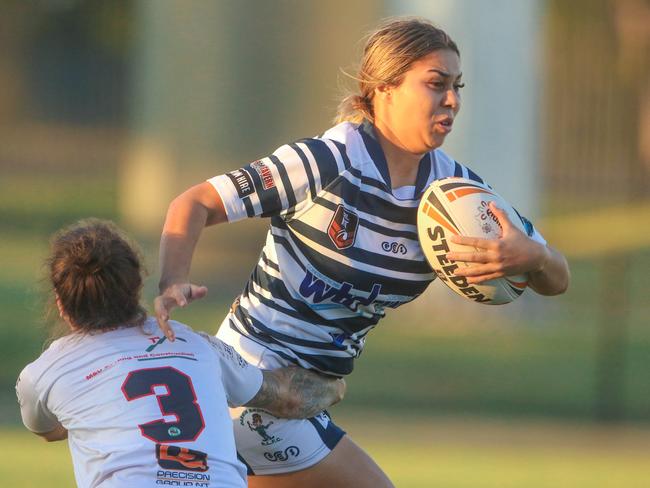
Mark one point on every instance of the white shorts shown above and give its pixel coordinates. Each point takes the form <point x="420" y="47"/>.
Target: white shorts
<point x="267" y="444"/>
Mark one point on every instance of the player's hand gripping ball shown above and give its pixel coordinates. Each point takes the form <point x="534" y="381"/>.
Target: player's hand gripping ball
<point x="459" y="206"/>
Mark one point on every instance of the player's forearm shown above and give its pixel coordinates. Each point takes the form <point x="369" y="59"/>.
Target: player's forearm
<point x="553" y="278"/>
<point x="297" y="393"/>
<point x="186" y="217"/>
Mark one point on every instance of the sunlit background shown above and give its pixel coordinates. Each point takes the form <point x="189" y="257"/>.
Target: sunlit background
<point x="111" y="108"/>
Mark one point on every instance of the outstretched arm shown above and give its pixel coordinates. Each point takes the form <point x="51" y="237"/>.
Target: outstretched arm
<point x="188" y="214"/>
<point x="297" y="393"/>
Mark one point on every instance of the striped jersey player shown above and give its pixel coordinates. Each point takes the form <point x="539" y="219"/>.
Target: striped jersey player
<point x="342" y="245"/>
<point x="341" y="248"/>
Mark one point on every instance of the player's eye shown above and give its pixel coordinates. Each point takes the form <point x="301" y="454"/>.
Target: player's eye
<point x="437" y="84"/>
<point x="458" y="86"/>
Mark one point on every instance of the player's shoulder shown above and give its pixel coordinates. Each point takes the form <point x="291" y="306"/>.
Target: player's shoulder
<point x="344" y="133"/>
<point x="35" y="372"/>
<point x="349" y="139"/>
<point x="323" y="146"/>
<point x="445" y="166"/>
<point x="324" y="156"/>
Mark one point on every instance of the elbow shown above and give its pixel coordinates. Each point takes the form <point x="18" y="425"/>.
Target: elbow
<point x="565" y="285"/>
<point x="180" y="204"/>
<point x="558" y="286"/>
<point x="564" y="279"/>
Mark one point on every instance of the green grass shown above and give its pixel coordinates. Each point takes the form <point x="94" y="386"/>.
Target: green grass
<point x="29" y="462"/>
<point x="471" y="452"/>
<point x="419" y="452"/>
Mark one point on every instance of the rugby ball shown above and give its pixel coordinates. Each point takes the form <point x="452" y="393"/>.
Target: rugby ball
<point x="460" y="206"/>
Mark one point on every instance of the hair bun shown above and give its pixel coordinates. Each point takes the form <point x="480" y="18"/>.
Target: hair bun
<point x="96" y="275"/>
<point x="91" y="255"/>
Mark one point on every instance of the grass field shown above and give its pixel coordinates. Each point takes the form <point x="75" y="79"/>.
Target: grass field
<point x="420" y="452"/>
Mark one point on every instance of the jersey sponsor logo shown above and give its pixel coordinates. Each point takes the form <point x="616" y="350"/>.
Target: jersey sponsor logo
<point x="318" y="291"/>
<point x="394" y="247"/>
<point x="254" y="419"/>
<point x="265" y="174"/>
<point x="242" y="181"/>
<point x="174" y="457"/>
<point x="343" y="227"/>
<point x="289" y="452"/>
<point x="156" y="341"/>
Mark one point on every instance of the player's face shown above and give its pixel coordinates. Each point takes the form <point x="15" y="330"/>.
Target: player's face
<point x="420" y="111"/>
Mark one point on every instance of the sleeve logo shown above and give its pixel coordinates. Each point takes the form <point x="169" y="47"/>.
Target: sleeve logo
<point x="242" y="181"/>
<point x="265" y="174"/>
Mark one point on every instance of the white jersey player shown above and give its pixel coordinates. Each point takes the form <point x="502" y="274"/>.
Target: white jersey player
<point x="139" y="410"/>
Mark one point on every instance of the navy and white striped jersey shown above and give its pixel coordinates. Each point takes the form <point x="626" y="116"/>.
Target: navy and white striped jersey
<point x="342" y="245"/>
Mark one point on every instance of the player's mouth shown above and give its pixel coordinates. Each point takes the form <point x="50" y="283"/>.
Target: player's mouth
<point x="443" y="124"/>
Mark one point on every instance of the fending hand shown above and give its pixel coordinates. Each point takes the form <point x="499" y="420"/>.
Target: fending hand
<point x="175" y="295"/>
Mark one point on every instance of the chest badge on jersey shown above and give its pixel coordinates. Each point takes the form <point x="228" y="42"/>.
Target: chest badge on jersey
<point x="343" y="227"/>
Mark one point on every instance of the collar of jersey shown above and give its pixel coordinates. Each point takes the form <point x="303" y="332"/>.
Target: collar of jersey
<point x="370" y="140"/>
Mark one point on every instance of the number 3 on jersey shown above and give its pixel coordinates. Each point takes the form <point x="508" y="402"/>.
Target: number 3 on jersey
<point x="179" y="401"/>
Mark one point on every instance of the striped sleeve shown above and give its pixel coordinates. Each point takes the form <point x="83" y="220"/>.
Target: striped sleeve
<point x="281" y="184"/>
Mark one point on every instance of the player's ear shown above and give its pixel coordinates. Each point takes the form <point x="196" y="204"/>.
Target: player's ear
<point x="59" y="306"/>
<point x="383" y="91"/>
<point x="62" y="313"/>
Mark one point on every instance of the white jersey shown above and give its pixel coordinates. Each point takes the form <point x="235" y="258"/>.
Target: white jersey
<point x="341" y="248"/>
<point x="142" y="411"/>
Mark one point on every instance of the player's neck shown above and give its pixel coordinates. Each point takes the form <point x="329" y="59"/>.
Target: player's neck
<point x="402" y="165"/>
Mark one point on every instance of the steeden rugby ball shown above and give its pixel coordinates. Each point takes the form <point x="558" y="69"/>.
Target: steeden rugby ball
<point x="460" y="206"/>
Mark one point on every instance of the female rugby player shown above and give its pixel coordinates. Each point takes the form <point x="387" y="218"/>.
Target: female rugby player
<point x="137" y="409"/>
<point x="337" y="205"/>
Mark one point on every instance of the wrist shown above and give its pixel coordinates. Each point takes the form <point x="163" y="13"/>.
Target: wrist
<point x="166" y="283"/>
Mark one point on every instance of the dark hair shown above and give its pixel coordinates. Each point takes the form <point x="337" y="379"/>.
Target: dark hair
<point x="96" y="275"/>
<point x="389" y="53"/>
